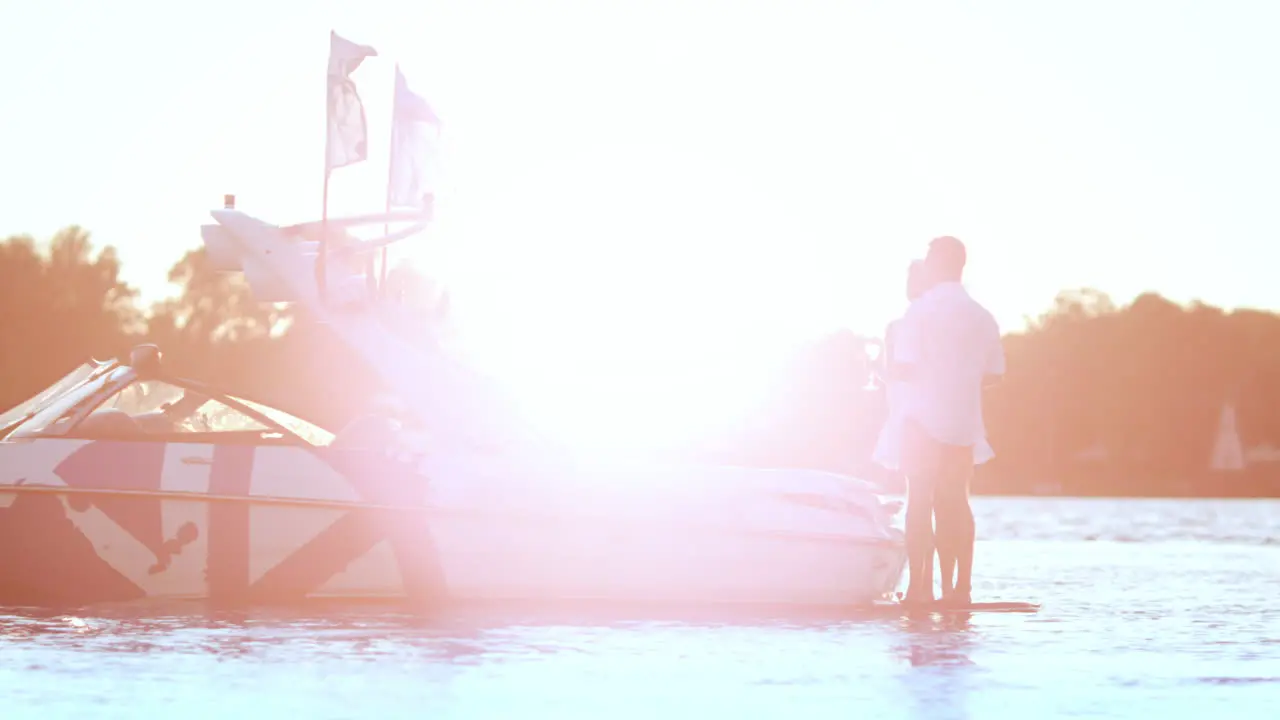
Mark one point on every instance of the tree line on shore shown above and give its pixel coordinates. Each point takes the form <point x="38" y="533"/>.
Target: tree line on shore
<point x="1099" y="398"/>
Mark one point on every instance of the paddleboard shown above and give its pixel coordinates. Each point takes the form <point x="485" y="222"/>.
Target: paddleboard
<point x="1005" y="607"/>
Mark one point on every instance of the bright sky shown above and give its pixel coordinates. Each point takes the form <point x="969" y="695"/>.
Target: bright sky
<point x="778" y="162"/>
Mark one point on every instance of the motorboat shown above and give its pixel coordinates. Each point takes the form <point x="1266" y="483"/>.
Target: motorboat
<point x="124" y="482"/>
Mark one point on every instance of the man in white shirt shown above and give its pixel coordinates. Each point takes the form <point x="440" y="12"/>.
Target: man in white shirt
<point x="948" y="347"/>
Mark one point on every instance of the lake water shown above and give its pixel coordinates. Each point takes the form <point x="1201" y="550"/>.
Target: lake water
<point x="1151" y="608"/>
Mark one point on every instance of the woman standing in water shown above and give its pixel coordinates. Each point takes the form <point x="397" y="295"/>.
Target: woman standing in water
<point x="889" y="445"/>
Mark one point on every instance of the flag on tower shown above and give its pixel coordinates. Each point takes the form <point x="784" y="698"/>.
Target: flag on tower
<point x="347" y="138"/>
<point x="415" y="131"/>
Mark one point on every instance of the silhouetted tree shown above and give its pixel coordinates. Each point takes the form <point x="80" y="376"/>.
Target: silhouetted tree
<point x="215" y="330"/>
<point x="60" y="304"/>
<point x="1138" y="387"/>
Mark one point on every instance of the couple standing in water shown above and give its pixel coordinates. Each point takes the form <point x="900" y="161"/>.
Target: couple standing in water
<point x="938" y="358"/>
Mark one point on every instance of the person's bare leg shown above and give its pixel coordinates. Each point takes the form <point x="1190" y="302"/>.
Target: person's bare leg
<point x="955" y="535"/>
<point x="920" y="463"/>
<point x="919" y="540"/>
<point x="944" y="539"/>
<point x="949" y="535"/>
<point x="966" y="534"/>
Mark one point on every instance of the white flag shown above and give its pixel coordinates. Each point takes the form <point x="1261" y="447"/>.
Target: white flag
<point x="415" y="128"/>
<point x="347" y="141"/>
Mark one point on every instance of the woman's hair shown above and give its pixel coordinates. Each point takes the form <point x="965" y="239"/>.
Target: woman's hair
<point x="916" y="280"/>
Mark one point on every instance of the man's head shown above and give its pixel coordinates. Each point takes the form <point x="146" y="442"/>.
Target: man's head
<point x="945" y="259"/>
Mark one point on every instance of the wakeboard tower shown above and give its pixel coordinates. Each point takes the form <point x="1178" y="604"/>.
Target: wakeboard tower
<point x="334" y="276"/>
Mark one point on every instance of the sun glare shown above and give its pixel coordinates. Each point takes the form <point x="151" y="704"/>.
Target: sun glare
<point x="625" y="306"/>
<point x="627" y="315"/>
<point x="632" y="266"/>
<point x="599" y="383"/>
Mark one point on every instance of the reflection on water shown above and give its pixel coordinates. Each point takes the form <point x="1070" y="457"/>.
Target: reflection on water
<point x="936" y="640"/>
<point x="1136" y="623"/>
<point x="937" y="651"/>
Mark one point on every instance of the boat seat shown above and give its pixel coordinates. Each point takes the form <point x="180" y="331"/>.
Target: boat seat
<point x="108" y="422"/>
<point x="155" y="421"/>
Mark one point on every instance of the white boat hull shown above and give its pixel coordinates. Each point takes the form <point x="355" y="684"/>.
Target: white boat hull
<point x="299" y="532"/>
<point x="579" y="561"/>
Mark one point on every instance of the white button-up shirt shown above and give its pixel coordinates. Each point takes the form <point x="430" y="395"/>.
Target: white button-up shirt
<point x="952" y="342"/>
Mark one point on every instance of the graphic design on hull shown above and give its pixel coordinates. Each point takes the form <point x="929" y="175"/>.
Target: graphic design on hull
<point x="91" y="548"/>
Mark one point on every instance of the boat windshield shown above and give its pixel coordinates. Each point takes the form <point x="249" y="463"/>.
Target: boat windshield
<point x="311" y="433"/>
<point x="68" y="381"/>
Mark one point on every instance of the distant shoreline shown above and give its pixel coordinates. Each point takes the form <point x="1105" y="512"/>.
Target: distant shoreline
<point x="1125" y="496"/>
<point x="1260" y="482"/>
